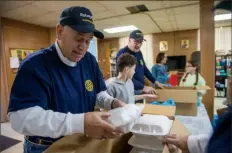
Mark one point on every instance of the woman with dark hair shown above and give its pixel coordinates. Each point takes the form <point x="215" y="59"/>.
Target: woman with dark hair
<point x="192" y="77"/>
<point x="159" y="71"/>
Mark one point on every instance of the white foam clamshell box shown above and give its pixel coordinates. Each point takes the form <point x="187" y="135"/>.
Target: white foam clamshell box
<point x="152" y="125"/>
<point x="139" y="150"/>
<point x="125" y="117"/>
<point x="148" y="132"/>
<point x="146" y="143"/>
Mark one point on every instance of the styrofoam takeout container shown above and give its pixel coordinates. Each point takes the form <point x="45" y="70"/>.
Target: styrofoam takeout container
<point x="125" y="117"/>
<point x="139" y="150"/>
<point x="146" y="143"/>
<point x="152" y="125"/>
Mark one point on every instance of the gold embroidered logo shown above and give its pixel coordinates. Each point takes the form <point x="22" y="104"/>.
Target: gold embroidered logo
<point x="89" y="85"/>
<point x="141" y="62"/>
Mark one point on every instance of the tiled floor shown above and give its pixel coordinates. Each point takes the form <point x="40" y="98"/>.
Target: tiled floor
<point x="8" y="131"/>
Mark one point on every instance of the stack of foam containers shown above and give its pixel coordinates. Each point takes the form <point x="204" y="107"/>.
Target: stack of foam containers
<point x="148" y="134"/>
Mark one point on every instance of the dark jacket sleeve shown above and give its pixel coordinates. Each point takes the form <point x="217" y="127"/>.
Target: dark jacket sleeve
<point x="147" y="73"/>
<point x="222" y="133"/>
<point x="137" y="85"/>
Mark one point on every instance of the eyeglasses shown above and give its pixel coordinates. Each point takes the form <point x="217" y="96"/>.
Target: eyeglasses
<point x="138" y="41"/>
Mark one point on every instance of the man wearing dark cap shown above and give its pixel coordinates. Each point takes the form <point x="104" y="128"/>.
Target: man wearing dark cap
<point x="55" y="89"/>
<point x="135" y="42"/>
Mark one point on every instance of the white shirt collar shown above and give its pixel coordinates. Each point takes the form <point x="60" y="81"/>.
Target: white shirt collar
<point x="62" y="58"/>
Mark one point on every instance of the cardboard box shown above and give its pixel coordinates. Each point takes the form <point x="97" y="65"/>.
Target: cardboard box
<point x="80" y="144"/>
<point x="179" y="129"/>
<point x="184" y="97"/>
<point x="77" y="143"/>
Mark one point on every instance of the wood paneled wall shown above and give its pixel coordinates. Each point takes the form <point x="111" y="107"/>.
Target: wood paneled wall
<point x="20" y="35"/>
<point x="190" y="35"/>
<point x="104" y="51"/>
<point x="4" y="94"/>
<point x="52" y="35"/>
<point x="167" y="36"/>
<point x="174" y="43"/>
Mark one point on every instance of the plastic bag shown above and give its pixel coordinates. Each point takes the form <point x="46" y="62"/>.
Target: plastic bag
<point x="168" y="102"/>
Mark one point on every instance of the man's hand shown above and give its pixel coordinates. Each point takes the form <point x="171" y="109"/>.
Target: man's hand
<point x="96" y="126"/>
<point x="149" y="90"/>
<point x="160" y="85"/>
<point x="117" y="103"/>
<point x="180" y="142"/>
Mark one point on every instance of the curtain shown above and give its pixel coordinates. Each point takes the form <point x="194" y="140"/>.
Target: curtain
<point x="223" y="39"/>
<point x="93" y="47"/>
<point x="123" y="42"/>
<point x="146" y="49"/>
<point x="227" y="38"/>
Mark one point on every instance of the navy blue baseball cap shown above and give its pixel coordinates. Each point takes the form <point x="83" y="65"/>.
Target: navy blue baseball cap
<point x="137" y="35"/>
<point x="80" y="19"/>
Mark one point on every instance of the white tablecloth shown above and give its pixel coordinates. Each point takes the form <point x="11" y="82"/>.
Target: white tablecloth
<point x="199" y="124"/>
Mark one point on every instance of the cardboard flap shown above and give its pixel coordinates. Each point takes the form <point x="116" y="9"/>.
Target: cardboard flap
<point x="188" y="88"/>
<point x="178" y="128"/>
<point x="168" y="111"/>
<point x="78" y="143"/>
<point x="185" y="109"/>
<point x="179" y="88"/>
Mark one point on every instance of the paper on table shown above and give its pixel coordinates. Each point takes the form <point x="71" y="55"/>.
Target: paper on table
<point x="14" y="62"/>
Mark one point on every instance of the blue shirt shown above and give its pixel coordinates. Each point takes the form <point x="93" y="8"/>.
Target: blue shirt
<point x="141" y="69"/>
<point x="44" y="80"/>
<point x="159" y="72"/>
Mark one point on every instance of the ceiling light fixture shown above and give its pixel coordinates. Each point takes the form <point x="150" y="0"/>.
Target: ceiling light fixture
<point x="222" y="17"/>
<point x="121" y="29"/>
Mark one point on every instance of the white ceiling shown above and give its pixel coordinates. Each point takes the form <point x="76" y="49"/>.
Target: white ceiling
<point x="163" y="16"/>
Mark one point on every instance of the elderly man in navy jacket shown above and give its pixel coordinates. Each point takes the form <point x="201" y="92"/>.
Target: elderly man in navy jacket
<point x="135" y="42"/>
<point x="56" y="89"/>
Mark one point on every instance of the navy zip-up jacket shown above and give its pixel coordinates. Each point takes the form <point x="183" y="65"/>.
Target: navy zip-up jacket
<point x="141" y="69"/>
<point x="220" y="141"/>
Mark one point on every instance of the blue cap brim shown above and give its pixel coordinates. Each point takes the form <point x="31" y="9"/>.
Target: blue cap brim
<point x="141" y="39"/>
<point x="88" y="29"/>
